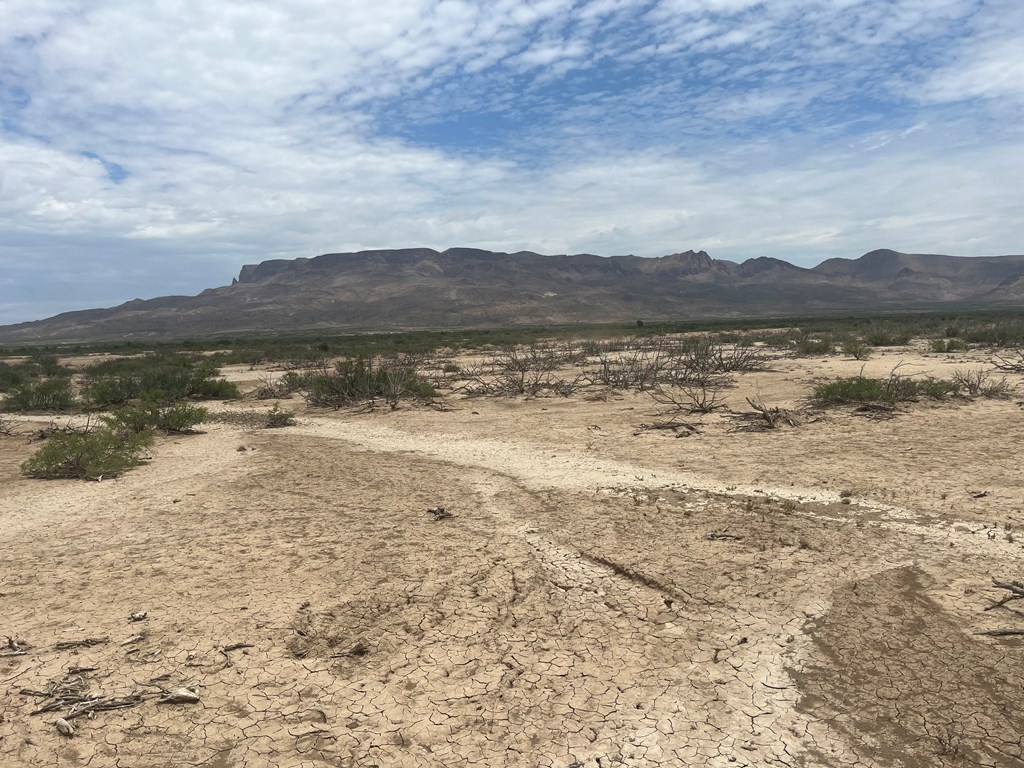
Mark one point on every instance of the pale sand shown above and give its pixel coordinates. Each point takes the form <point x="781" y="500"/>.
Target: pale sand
<point x="571" y="612"/>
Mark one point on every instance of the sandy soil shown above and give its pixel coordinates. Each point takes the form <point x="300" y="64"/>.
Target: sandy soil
<point x="601" y="596"/>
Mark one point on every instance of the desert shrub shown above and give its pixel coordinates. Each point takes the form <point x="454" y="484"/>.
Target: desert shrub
<point x="366" y="379"/>
<point x="112" y="391"/>
<point x="271" y="388"/>
<point x="450" y="367"/>
<point x="254" y="419"/>
<point x="46" y="395"/>
<point x="206" y="388"/>
<point x="276" y="418"/>
<point x="852" y="389"/>
<point x="979" y="383"/>
<point x="897" y="388"/>
<point x="813" y="346"/>
<point x="888" y="337"/>
<point x="46" y="365"/>
<point x="936" y="389"/>
<point x="12" y="376"/>
<point x="1004" y="332"/>
<point x="180" y="418"/>
<point x="856" y="348"/>
<point x="948" y="345"/>
<point x="176" y="418"/>
<point x="294" y="381"/>
<point x="87" y="455"/>
<point x="169" y="377"/>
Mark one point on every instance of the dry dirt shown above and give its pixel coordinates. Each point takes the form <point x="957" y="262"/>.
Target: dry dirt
<point x="572" y="611"/>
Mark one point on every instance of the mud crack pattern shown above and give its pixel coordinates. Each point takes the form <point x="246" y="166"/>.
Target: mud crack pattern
<point x="325" y="619"/>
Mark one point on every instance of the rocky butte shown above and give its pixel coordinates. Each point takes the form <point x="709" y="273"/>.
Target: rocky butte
<point x="464" y="287"/>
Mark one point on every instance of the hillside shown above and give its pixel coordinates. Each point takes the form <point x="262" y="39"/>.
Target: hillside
<point x="461" y="287"/>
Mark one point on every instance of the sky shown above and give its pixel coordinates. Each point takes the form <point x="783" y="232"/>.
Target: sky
<point x="154" y="148"/>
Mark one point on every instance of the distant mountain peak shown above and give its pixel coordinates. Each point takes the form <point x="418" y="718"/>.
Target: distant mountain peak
<point x="462" y="287"/>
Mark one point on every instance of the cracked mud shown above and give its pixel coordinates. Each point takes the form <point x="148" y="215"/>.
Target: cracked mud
<point x="572" y="611"/>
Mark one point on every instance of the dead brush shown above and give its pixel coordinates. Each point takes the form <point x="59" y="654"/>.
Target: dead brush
<point x="269" y="388"/>
<point x="8" y="426"/>
<point x="979" y="383"/>
<point x="637" y="370"/>
<point x="699" y="395"/>
<point x="522" y="371"/>
<point x="1010" y="364"/>
<point x="763" y="418"/>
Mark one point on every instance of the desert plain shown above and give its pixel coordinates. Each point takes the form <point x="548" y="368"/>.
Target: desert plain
<point x="595" y="594"/>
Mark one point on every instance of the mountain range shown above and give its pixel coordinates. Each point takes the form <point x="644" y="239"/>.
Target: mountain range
<point x="464" y="287"/>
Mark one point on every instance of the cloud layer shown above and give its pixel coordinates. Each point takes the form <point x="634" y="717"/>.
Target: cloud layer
<point x="153" y="148"/>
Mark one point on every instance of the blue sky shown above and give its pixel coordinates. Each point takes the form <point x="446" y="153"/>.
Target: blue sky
<point x="154" y="148"/>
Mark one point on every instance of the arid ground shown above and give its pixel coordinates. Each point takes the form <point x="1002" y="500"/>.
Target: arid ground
<point x="600" y="595"/>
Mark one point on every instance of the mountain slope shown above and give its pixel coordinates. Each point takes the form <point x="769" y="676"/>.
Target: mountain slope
<point x="423" y="288"/>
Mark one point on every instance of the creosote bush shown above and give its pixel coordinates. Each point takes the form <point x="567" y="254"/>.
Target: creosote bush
<point x="87" y="455"/>
<point x="856" y="348"/>
<point x="176" y="418"/>
<point x="365" y="380"/>
<point x="948" y="345"/>
<point x="276" y="418"/>
<point x="895" y="389"/>
<point x="45" y="395"/>
<point x="164" y="377"/>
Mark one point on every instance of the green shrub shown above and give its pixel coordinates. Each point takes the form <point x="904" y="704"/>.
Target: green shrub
<point x="12" y="376"/>
<point x="853" y="389"/>
<point x="180" y="418"/>
<point x="112" y="391"/>
<point x="861" y="389"/>
<point x="856" y="348"/>
<point x="177" y="418"/>
<point x="276" y="418"/>
<point x="293" y="381"/>
<point x="888" y="338"/>
<point x="167" y="377"/>
<point x="47" y="395"/>
<point x="213" y="389"/>
<point x="47" y="365"/>
<point x="814" y="346"/>
<point x="362" y="379"/>
<point x="87" y="455"/>
<point x="948" y="345"/>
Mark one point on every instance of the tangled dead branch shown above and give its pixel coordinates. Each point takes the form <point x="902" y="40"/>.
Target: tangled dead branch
<point x="763" y="418"/>
<point x="70" y="695"/>
<point x="702" y="395"/>
<point x="8" y="426"/>
<point x="1015" y="588"/>
<point x="979" y="383"/>
<point x="1010" y="364"/>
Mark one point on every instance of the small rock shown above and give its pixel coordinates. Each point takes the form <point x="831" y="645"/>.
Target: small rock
<point x="64" y="728"/>
<point x="180" y="696"/>
<point x="138" y="616"/>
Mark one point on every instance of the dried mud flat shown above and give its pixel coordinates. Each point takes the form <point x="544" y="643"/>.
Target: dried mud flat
<point x="598" y="596"/>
